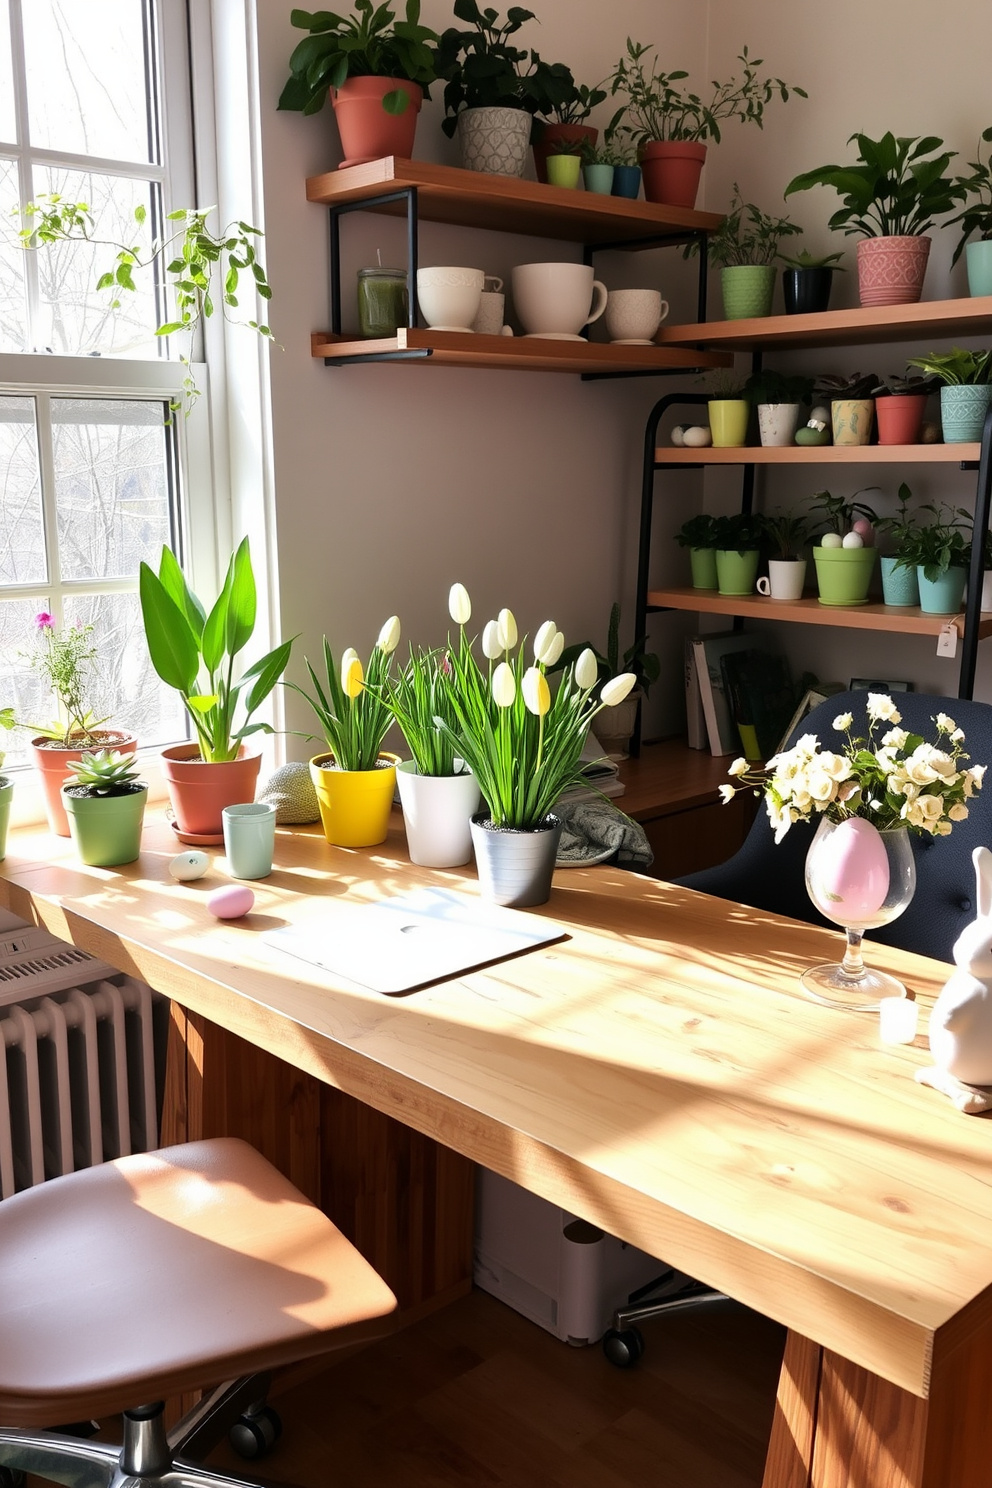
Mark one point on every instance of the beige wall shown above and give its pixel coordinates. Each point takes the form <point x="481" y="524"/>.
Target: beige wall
<point x="391" y="481"/>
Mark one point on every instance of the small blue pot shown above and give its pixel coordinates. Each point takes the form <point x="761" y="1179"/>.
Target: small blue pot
<point x="626" y="181"/>
<point x="899" y="585"/>
<point x="962" y="412"/>
<point x="942" y="596"/>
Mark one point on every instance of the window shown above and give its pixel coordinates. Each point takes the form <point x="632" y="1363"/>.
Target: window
<point x="90" y="463"/>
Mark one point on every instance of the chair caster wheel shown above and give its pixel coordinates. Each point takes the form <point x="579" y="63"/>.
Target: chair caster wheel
<point x="254" y="1435"/>
<point x="625" y="1348"/>
<point x="12" y="1477"/>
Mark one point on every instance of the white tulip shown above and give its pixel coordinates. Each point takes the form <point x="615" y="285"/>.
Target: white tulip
<point x="507" y="630"/>
<point x="504" y="685"/>
<point x="352" y="675"/>
<point x="459" y="604"/>
<point x="586" y="669"/>
<point x="389" y="635"/>
<point x="553" y="654"/>
<point x="544" y="640"/>
<point x="536" y="692"/>
<point x="617" y="689"/>
<point x="491" y="647"/>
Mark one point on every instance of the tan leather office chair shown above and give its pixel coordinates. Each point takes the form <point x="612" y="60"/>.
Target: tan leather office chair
<point x="154" y="1275"/>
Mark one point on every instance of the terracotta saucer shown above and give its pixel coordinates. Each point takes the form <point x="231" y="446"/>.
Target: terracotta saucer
<point x="199" y="839"/>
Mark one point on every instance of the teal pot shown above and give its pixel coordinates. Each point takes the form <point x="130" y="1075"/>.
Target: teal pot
<point x="747" y="291"/>
<point x="962" y="412"/>
<point x="598" y="178"/>
<point x="6" y="792"/>
<point x="703" y="561"/>
<point x="515" y="868"/>
<point x="627" y="181"/>
<point x="106" y="830"/>
<point x="437" y="810"/>
<point x="899" y="586"/>
<point x="736" y="572"/>
<point x="943" y="595"/>
<point x="843" y="575"/>
<point x="978" y="257"/>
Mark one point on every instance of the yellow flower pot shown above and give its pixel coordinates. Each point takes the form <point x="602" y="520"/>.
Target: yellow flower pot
<point x="354" y="804"/>
<point x="728" y="422"/>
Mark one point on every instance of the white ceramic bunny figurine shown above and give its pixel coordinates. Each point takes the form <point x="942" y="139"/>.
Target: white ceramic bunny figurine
<point x="961" y="1021"/>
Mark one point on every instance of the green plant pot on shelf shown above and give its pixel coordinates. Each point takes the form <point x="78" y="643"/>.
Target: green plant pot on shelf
<point x="736" y="571"/>
<point x="843" y="575"/>
<point x="747" y="291"/>
<point x="703" y="562"/>
<point x="943" y="595"/>
<point x="899" y="586"/>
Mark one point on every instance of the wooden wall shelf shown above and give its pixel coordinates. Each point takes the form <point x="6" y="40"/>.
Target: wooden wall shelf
<point x="874" y="617"/>
<point x="513" y="353"/>
<point x="823" y="454"/>
<point x="936" y="318"/>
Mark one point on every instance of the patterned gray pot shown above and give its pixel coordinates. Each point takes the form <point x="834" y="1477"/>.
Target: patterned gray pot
<point x="515" y="868"/>
<point x="494" y="140"/>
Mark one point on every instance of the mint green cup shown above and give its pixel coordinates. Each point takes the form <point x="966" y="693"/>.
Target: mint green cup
<point x="249" y="838"/>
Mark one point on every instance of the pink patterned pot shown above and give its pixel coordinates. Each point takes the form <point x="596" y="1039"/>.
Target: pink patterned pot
<point x="891" y="270"/>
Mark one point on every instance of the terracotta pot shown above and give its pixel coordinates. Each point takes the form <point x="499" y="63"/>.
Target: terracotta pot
<point x="367" y="131"/>
<point x="550" y="134"/>
<point x="891" y="270"/>
<point x="671" y="170"/>
<point x="53" y="760"/>
<point x="900" y="418"/>
<point x="199" y="790"/>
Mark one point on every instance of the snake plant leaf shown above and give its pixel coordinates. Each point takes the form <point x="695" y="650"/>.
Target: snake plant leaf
<point x="172" y="646"/>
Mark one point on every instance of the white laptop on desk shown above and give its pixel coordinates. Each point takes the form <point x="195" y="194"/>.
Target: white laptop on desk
<point x="425" y="936"/>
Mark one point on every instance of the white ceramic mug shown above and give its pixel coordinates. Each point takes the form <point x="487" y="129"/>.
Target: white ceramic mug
<point x="489" y="321"/>
<point x="555" y="300"/>
<point x="633" y="315"/>
<point x="449" y="297"/>
<point x="786" y="577"/>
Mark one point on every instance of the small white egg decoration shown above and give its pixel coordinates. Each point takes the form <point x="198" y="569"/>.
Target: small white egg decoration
<point x="821" y="413"/>
<point x="852" y="540"/>
<point x="698" y="437"/>
<point x="831" y="540"/>
<point x="189" y="865"/>
<point x="677" y="434"/>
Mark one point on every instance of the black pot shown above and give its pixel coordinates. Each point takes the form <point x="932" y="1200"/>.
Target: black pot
<point x="806" y="291"/>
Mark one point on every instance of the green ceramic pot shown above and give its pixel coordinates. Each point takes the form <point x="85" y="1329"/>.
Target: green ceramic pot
<point x="747" y="291"/>
<point x="943" y="595"/>
<point x="564" y="170"/>
<point x="703" y="562"/>
<point x="843" y="574"/>
<point x="598" y="178"/>
<point x="736" y="572"/>
<point x="899" y="586"/>
<point x="6" y="792"/>
<point x="962" y="412"/>
<point x="106" y="830"/>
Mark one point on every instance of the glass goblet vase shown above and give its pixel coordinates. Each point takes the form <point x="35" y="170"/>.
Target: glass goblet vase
<point x="860" y="878"/>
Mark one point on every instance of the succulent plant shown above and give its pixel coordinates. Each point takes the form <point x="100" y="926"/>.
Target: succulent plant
<point x="106" y="772"/>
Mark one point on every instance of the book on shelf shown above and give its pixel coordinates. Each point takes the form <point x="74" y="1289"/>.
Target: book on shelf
<point x="762" y="698"/>
<point x="721" y="730"/>
<point x="695" y="719"/>
<point x="809" y="700"/>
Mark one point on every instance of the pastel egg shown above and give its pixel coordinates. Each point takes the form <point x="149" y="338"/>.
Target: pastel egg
<point x="808" y="435"/>
<point x="849" y="874"/>
<point x="820" y="413"/>
<point x="189" y="865"/>
<point x="831" y="540"/>
<point x="230" y="902"/>
<point x="852" y="540"/>
<point x="697" y="437"/>
<point x="866" y="530"/>
<point x="677" y="434"/>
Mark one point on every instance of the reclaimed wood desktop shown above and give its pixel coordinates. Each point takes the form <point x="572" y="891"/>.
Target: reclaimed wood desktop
<point x="658" y="1072"/>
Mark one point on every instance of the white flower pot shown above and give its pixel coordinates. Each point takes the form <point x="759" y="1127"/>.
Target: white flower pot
<point x="777" y="423"/>
<point x="437" y="810"/>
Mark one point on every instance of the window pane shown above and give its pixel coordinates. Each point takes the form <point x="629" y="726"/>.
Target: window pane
<point x="76" y="318"/>
<point x="22" y="533"/>
<point x="13" y="330"/>
<point x="8" y="125"/>
<point x="125" y="687"/>
<point x="85" y="63"/>
<point x="20" y="687"/>
<point x="111" y="485"/>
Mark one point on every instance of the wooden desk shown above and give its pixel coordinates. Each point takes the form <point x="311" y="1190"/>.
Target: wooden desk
<point x="660" y="1073"/>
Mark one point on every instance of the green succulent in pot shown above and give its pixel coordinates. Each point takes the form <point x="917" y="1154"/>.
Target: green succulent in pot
<point x="104" y="772"/>
<point x="105" y="806"/>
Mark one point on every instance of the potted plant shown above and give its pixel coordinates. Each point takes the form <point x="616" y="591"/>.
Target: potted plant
<point x="194" y="652"/>
<point x="739" y="540"/>
<point x="939" y="550"/>
<point x="845" y="555"/>
<point x="745" y="247"/>
<point x="892" y="196"/>
<point x="899" y="584"/>
<point x="377" y="71"/>
<point x="900" y="403"/>
<point x="438" y="793"/>
<point x="620" y="151"/>
<point x="493" y="89"/>
<point x="355" y="778"/>
<point x="966" y="390"/>
<point x="807" y="281"/>
<point x="63" y="657"/>
<point x="699" y="535"/>
<point x="976" y="217"/>
<point x="778" y="397"/>
<point x="617" y="722"/>
<point x="598" y="167"/>
<point x="566" y="122"/>
<point x="523" y="744"/>
<point x="728" y="409"/>
<point x="105" y="804"/>
<point x="852" y="407"/>
<point x="672" y="124"/>
<point x="787" y="534"/>
<point x="563" y="163"/>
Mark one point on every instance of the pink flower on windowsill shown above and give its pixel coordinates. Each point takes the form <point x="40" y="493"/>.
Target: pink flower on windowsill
<point x="44" y="621"/>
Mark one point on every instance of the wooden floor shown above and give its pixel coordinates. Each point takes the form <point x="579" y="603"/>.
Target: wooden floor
<point x="476" y="1395"/>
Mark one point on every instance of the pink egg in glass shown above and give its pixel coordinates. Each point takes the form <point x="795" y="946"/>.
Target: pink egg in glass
<point x="851" y="872"/>
<point x="230" y="902"/>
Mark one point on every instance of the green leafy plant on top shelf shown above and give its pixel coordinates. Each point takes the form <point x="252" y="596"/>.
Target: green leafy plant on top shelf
<point x="747" y="235"/>
<point x="203" y="269"/>
<point x="481" y="69"/>
<point x="660" y="106"/>
<point x="741" y="532"/>
<point x="977" y="214"/>
<point x="575" y="101"/>
<point x="769" y="386"/>
<point x="956" y="368"/>
<point x="636" y="659"/>
<point x="897" y="187"/>
<point x="699" y="531"/>
<point x="806" y="260"/>
<point x="902" y="524"/>
<point x="837" y="513"/>
<point x="788" y="533"/>
<point x="937" y="545"/>
<point x="105" y="772"/>
<point x="370" y="44"/>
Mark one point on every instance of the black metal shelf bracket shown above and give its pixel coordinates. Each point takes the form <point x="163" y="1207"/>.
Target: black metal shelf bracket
<point x="359" y="359"/>
<point x="976" y="572"/>
<point x="407" y="195"/>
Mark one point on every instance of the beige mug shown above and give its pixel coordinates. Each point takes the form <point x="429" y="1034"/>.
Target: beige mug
<point x="449" y="297"/>
<point x="555" y="300"/>
<point x="786" y="578"/>
<point x="633" y="315"/>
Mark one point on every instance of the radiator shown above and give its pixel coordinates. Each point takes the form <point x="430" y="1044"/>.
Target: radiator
<point x="84" y="1056"/>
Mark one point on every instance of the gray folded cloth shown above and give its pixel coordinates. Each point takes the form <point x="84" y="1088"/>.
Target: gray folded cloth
<point x="593" y="831"/>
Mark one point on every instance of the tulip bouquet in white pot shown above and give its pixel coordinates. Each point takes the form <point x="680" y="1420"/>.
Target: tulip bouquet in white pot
<point x="523" y="743"/>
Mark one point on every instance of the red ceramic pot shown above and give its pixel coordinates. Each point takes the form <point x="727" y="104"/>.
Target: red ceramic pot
<point x="891" y="270"/>
<point x="551" y="134"/>
<point x="671" y="170"/>
<point x="53" y="760"/>
<point x="199" y="790"/>
<point x="367" y="131"/>
<point x="899" y="418"/>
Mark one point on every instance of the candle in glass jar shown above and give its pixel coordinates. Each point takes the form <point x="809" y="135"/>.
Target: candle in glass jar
<point x="383" y="304"/>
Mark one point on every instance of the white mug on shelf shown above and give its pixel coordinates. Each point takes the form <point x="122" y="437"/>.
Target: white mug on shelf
<point x="449" y="297"/>
<point x="786" y="577"/>
<point x="633" y="315"/>
<point x="555" y="300"/>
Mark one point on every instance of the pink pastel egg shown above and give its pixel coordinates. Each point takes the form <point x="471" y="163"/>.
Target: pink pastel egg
<point x="851" y="873"/>
<point x="230" y="902"/>
<point x="865" y="530"/>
